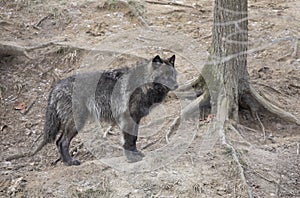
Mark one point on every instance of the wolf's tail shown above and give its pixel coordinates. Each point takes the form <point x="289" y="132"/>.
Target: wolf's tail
<point x="51" y="129"/>
<point x="52" y="122"/>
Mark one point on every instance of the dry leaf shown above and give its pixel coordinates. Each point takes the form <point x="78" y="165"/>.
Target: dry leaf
<point x="20" y="106"/>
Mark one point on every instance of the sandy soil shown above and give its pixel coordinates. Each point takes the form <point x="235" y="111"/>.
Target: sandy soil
<point x="89" y="35"/>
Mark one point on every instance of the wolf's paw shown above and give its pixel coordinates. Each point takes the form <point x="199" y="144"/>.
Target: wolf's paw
<point x="72" y="162"/>
<point x="134" y="156"/>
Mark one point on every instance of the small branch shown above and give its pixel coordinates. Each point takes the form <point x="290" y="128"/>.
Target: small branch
<point x="295" y="49"/>
<point x="107" y="131"/>
<point x="283" y="57"/>
<point x="17" y="156"/>
<point x="262" y="126"/>
<point x="42" y="19"/>
<point x="43" y="45"/>
<point x="274" y="109"/>
<point x="172" y="128"/>
<point x="206" y="37"/>
<point x="248" y="128"/>
<point x="238" y="134"/>
<point x="37" y="139"/>
<point x="30" y="106"/>
<point x="150" y="144"/>
<point x="278" y="184"/>
<point x="295" y="86"/>
<point x="170" y="3"/>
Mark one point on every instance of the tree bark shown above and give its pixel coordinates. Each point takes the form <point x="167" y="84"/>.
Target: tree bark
<point x="226" y="73"/>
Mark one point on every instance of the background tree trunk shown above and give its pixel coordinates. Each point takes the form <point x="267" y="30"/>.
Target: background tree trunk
<point x="226" y="74"/>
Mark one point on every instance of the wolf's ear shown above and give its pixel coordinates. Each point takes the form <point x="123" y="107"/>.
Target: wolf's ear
<point x="157" y="59"/>
<point x="172" y="60"/>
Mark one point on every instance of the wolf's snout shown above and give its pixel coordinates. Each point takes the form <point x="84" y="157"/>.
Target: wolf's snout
<point x="174" y="86"/>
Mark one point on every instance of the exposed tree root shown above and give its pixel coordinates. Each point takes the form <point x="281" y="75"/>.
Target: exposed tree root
<point x="274" y="109"/>
<point x="239" y="135"/>
<point x="222" y="116"/>
<point x="188" y="85"/>
<point x="14" y="49"/>
<point x="195" y="105"/>
<point x="237" y="160"/>
<point x="220" y="125"/>
<point x="188" y="111"/>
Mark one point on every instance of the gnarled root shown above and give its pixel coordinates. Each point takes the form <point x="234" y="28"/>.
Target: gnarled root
<point x="273" y="108"/>
<point x="188" y="111"/>
<point x="196" y="104"/>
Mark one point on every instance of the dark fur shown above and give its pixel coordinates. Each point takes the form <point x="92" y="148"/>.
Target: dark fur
<point x="121" y="96"/>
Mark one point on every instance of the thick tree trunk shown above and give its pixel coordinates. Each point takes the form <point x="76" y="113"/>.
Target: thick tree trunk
<point x="226" y="74"/>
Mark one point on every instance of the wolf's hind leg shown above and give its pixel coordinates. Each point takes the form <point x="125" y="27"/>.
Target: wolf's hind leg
<point x="63" y="144"/>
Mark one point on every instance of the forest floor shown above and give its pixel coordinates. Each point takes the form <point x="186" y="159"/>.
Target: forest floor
<point x="68" y="36"/>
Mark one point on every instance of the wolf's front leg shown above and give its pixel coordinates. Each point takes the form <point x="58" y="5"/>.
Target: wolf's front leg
<point x="130" y="133"/>
<point x="130" y="150"/>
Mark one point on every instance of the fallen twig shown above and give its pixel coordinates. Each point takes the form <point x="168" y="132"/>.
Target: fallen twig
<point x="295" y="86"/>
<point x="262" y="126"/>
<point x="278" y="184"/>
<point x="238" y="134"/>
<point x="283" y="57"/>
<point x="107" y="131"/>
<point x="206" y="37"/>
<point x="150" y="144"/>
<point x="35" y="141"/>
<point x="30" y="106"/>
<point x="42" y="19"/>
<point x="172" y="127"/>
<point x="170" y="3"/>
<point x="248" y="128"/>
<point x="295" y="48"/>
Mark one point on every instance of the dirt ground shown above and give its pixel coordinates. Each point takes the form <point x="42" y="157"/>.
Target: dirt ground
<point x="61" y="38"/>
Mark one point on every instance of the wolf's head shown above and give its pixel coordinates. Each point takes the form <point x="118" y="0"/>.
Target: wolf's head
<point x="162" y="71"/>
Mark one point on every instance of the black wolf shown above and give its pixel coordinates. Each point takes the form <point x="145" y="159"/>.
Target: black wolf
<point x="121" y="96"/>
